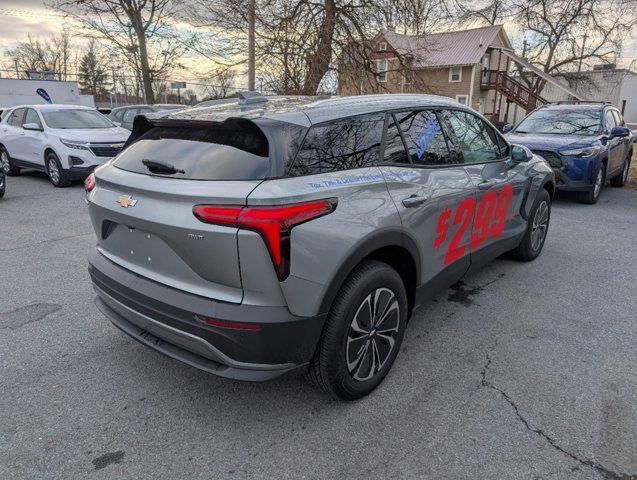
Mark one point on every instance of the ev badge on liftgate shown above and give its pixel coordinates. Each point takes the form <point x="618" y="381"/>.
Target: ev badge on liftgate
<point x="126" y="201"/>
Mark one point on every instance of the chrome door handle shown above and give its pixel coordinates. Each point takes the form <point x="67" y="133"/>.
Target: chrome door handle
<point x="414" y="201"/>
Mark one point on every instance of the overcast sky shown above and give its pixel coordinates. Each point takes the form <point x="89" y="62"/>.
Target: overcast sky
<point x="21" y="17"/>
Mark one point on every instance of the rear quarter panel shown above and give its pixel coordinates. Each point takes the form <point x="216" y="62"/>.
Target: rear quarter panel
<point x="319" y="248"/>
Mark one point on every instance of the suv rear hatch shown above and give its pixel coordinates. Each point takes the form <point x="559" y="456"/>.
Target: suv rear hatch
<point x="142" y="210"/>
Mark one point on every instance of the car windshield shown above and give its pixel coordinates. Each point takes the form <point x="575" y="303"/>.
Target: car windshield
<point x="76" y="119"/>
<point x="561" y="122"/>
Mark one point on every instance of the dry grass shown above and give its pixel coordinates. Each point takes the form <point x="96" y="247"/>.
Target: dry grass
<point x="632" y="173"/>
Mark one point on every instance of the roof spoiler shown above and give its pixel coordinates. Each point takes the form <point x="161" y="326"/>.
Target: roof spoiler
<point x="249" y="97"/>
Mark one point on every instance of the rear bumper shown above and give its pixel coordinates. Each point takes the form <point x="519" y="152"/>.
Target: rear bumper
<point x="166" y="320"/>
<point x="80" y="173"/>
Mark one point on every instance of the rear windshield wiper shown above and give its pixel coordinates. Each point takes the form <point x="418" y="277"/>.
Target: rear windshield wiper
<point x="160" y="167"/>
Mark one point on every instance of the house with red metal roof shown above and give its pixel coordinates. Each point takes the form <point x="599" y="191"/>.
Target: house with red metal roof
<point x="472" y="66"/>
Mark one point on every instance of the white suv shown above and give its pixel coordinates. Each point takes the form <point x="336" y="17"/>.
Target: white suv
<point x="65" y="141"/>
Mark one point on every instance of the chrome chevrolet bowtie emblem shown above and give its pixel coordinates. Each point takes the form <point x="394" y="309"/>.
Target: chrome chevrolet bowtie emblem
<point x="126" y="201"/>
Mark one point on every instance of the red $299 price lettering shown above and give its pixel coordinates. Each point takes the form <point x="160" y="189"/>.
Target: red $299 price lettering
<point x="489" y="221"/>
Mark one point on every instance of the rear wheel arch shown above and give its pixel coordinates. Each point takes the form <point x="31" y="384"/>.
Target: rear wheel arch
<point x="394" y="248"/>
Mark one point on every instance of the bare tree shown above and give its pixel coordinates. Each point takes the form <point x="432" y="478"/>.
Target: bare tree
<point x="139" y="29"/>
<point x="42" y="57"/>
<point x="483" y="12"/>
<point x="297" y="41"/>
<point x="219" y="83"/>
<point x="566" y="35"/>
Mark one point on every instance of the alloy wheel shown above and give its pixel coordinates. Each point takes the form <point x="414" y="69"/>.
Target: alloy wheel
<point x="372" y="334"/>
<point x="54" y="173"/>
<point x="540" y="226"/>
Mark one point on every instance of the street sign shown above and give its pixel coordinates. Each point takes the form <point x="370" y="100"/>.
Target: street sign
<point x="175" y="85"/>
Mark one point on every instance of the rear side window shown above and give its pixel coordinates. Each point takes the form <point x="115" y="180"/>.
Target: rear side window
<point x="476" y="139"/>
<point x="425" y="138"/>
<point x="232" y="150"/>
<point x="342" y="145"/>
<point x="16" y="117"/>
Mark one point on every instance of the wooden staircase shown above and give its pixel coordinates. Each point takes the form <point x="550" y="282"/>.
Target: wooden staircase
<point x="512" y="89"/>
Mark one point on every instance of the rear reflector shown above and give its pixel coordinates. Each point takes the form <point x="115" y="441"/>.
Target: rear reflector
<point x="89" y="183"/>
<point x="227" y="324"/>
<point x="273" y="223"/>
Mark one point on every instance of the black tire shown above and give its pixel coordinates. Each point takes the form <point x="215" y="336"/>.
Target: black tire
<point x="621" y="178"/>
<point x="329" y="370"/>
<point x="530" y="248"/>
<point x="592" y="195"/>
<point x="3" y="184"/>
<point x="6" y="163"/>
<point x="57" y="175"/>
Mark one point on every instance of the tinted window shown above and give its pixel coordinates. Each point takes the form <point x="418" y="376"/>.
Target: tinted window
<point x="394" y="148"/>
<point x="561" y="121"/>
<point x="16" y="117"/>
<point x="32" y="117"/>
<point x="343" y="145"/>
<point x="232" y="150"/>
<point x="610" y="120"/>
<point x="75" y="119"/>
<point x="425" y="138"/>
<point x="476" y="139"/>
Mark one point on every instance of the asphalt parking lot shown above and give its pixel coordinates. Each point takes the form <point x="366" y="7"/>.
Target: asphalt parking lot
<point x="521" y="371"/>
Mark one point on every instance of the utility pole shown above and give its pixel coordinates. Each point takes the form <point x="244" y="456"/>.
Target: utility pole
<point x="17" y="70"/>
<point x="251" y="53"/>
<point x="581" y="56"/>
<point x="114" y="86"/>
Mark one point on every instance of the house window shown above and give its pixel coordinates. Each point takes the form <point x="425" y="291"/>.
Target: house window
<point x="463" y="99"/>
<point x="455" y="74"/>
<point x="381" y="70"/>
<point x="382" y="47"/>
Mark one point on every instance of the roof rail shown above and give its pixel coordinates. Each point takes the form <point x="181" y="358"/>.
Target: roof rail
<point x="567" y="102"/>
<point x="248" y="97"/>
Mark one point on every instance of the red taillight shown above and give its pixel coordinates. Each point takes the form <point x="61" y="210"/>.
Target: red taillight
<point x="228" y="324"/>
<point x="89" y="183"/>
<point x="273" y="223"/>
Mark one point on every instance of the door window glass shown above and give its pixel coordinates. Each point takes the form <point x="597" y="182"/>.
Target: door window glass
<point x="343" y="145"/>
<point x="16" y="117"/>
<point x="32" y="117"/>
<point x="476" y="139"/>
<point x="394" y="147"/>
<point x="425" y="139"/>
<point x="610" y="120"/>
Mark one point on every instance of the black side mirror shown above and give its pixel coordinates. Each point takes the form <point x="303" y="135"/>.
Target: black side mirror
<point x="619" y="132"/>
<point x="520" y="153"/>
<point x="507" y="128"/>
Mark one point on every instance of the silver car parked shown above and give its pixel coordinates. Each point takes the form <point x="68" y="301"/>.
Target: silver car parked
<point x="265" y="236"/>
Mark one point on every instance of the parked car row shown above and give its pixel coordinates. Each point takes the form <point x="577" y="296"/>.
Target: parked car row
<point x="66" y="142"/>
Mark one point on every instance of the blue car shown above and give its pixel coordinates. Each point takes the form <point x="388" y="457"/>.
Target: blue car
<point x="585" y="143"/>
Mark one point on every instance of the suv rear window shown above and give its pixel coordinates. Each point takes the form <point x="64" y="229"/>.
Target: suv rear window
<point x="232" y="150"/>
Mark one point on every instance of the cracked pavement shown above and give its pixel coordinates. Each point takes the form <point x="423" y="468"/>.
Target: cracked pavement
<point x="520" y="371"/>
